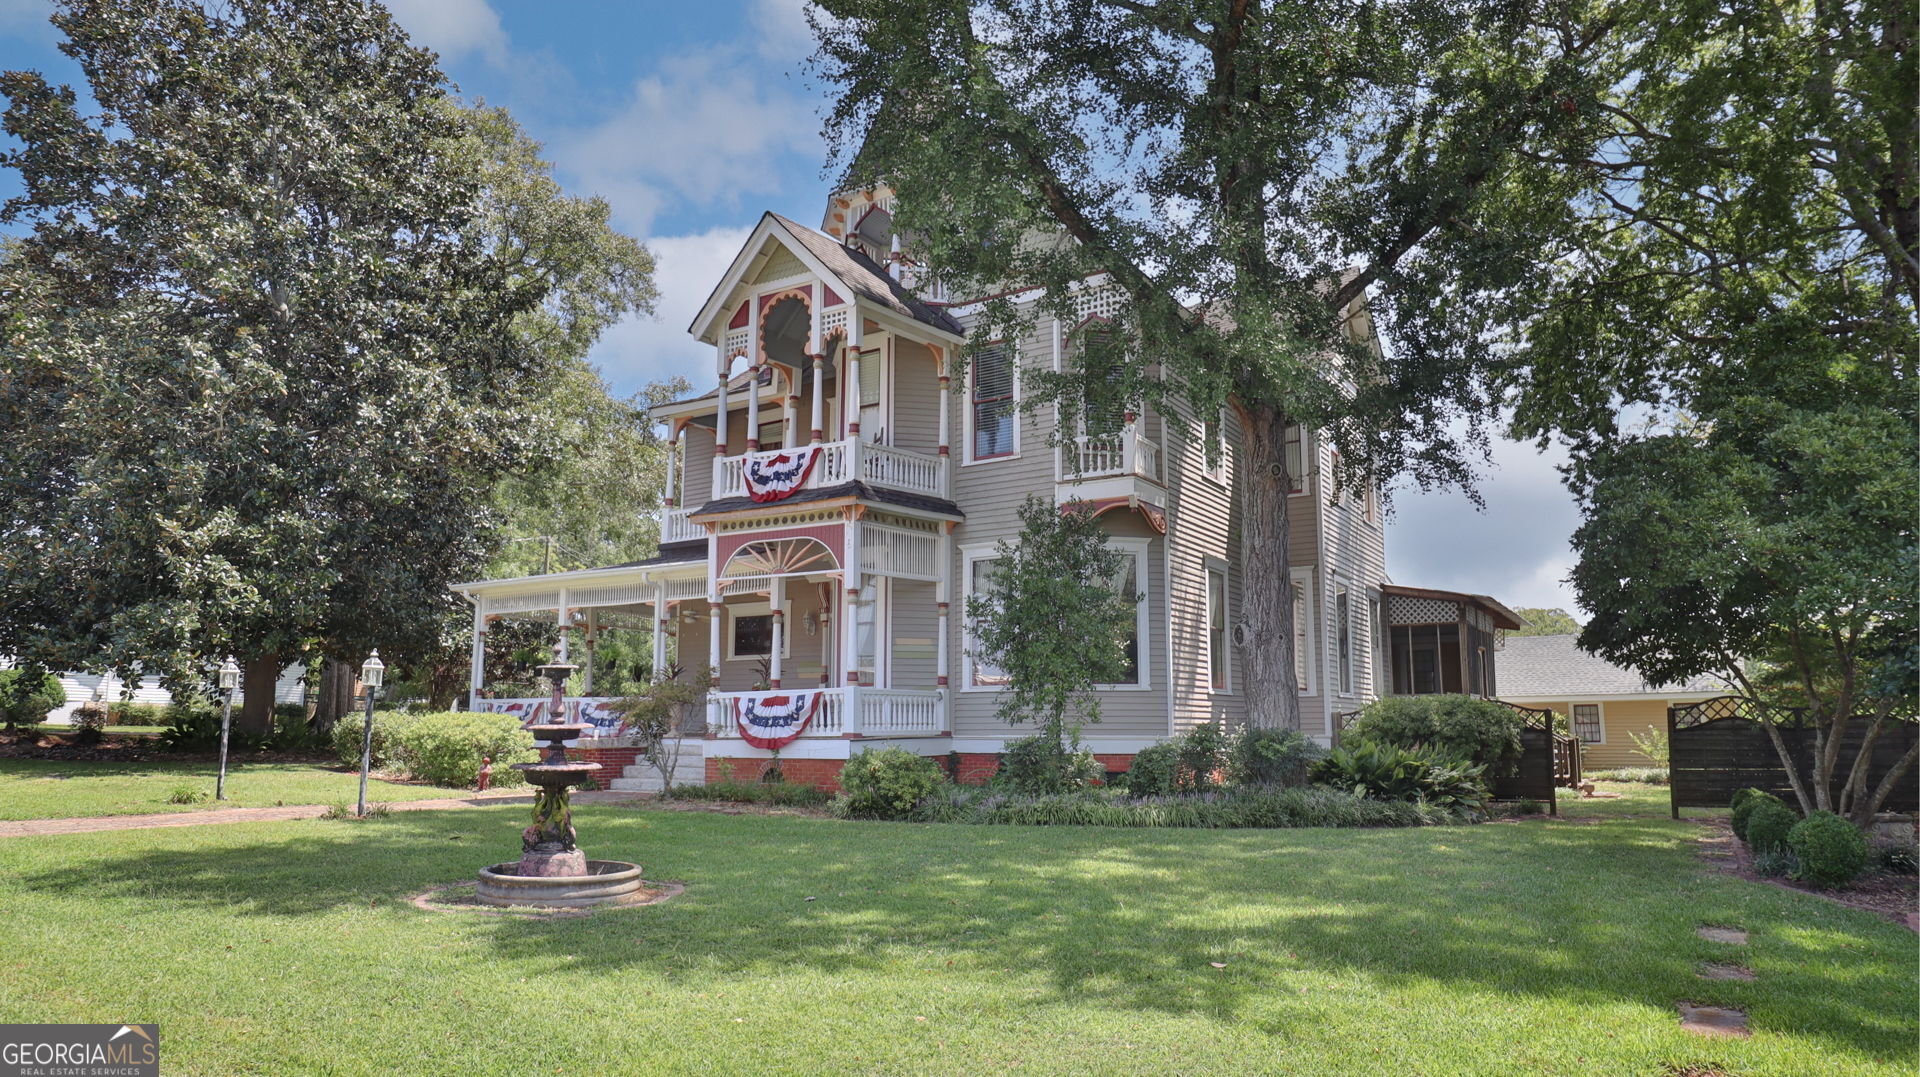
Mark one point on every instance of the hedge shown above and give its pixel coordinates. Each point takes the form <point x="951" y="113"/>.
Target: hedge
<point x="443" y="748"/>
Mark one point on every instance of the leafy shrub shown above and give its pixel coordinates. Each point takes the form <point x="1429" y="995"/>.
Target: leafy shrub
<point x="1652" y="744"/>
<point x="347" y="734"/>
<point x="1768" y="825"/>
<point x="1041" y="765"/>
<point x="1155" y="771"/>
<point x="1251" y="807"/>
<point x="137" y="713"/>
<point x="186" y="794"/>
<point x="1744" y="802"/>
<point x="446" y="748"/>
<point x="191" y="725"/>
<point x="1900" y="859"/>
<point x="89" y="723"/>
<point x="1389" y="772"/>
<point x="26" y="696"/>
<point x="1643" y="775"/>
<point x="1776" y="862"/>
<point x="1474" y="729"/>
<point x="1203" y="754"/>
<point x="783" y="794"/>
<point x="887" y="784"/>
<point x="1271" y="757"/>
<point x="1831" y="850"/>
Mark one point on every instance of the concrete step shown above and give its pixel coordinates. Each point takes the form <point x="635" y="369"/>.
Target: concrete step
<point x="689" y="769"/>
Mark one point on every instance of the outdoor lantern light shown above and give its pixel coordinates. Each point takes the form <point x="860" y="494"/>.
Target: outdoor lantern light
<point x="229" y="680"/>
<point x="372" y="672"/>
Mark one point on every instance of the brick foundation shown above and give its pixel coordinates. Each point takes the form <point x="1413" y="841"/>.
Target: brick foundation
<point x="819" y="773"/>
<point x="613" y="761"/>
<point x="977" y="768"/>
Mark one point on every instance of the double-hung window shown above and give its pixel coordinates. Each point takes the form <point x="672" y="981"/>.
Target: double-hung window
<point x="1343" y="626"/>
<point x="1586" y="723"/>
<point x="993" y="410"/>
<point x="1217" y="653"/>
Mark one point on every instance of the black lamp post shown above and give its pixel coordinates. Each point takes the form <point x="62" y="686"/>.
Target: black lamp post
<point x="372" y="673"/>
<point x="229" y="680"/>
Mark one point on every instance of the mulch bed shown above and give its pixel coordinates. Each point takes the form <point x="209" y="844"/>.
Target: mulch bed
<point x="1896" y="897"/>
<point x="137" y="748"/>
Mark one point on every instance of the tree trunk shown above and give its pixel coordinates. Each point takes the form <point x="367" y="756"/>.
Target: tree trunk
<point x="1266" y="586"/>
<point x="335" y="695"/>
<point x="261" y="677"/>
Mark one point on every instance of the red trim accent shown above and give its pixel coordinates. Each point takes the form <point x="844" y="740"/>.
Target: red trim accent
<point x="830" y="297"/>
<point x="740" y="316"/>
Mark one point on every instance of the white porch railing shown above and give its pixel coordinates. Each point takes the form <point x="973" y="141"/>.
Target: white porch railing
<point x="675" y="527"/>
<point x="1128" y="452"/>
<point x="870" y="712"/>
<point x="845" y="460"/>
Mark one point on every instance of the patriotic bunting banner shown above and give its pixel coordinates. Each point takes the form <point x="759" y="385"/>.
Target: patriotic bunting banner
<point x="773" y="721"/>
<point x="592" y="711"/>
<point x="773" y="476"/>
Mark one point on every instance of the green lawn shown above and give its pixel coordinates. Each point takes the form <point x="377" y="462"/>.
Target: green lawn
<point x="1527" y="948"/>
<point x="54" y="789"/>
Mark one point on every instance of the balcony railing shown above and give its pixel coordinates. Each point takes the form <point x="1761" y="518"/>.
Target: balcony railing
<point x="1097" y="456"/>
<point x="844" y="461"/>
<point x="868" y="712"/>
<point x="675" y="527"/>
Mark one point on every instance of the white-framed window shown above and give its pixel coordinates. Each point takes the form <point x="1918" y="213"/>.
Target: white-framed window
<point x="993" y="406"/>
<point x="1343" y="638"/>
<point x="869" y="628"/>
<point x="1215" y="453"/>
<point x="1303" y="633"/>
<point x="978" y="564"/>
<point x="1296" y="450"/>
<point x="1219" y="649"/>
<point x="873" y="394"/>
<point x="750" y="631"/>
<point x="1587" y="724"/>
<point x="1133" y="579"/>
<point x="977" y="568"/>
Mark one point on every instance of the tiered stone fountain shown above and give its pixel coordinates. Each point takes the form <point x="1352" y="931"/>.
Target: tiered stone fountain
<point x="552" y="870"/>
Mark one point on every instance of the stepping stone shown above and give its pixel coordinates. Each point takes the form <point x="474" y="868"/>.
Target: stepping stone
<point x="1714" y="970"/>
<point x="1733" y="936"/>
<point x="1721" y="1022"/>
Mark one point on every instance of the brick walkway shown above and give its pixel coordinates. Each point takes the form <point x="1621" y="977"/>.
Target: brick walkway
<point x="27" y="827"/>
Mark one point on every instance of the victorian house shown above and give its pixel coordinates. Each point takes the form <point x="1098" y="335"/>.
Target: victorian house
<point x="838" y="493"/>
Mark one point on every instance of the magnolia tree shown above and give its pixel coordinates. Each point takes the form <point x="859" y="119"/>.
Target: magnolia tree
<point x="1262" y="182"/>
<point x="1055" y="621"/>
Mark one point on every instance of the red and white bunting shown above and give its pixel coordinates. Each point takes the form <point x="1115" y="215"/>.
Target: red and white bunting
<point x="773" y="721"/>
<point x="775" y="475"/>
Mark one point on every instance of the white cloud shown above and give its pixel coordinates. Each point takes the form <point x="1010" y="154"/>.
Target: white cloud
<point x="640" y="350"/>
<point x="1517" y="550"/>
<point x="784" y="35"/>
<point x="706" y="129"/>
<point x="454" y="28"/>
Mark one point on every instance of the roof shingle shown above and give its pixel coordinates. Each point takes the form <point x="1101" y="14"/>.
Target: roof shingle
<point x="1555" y="668"/>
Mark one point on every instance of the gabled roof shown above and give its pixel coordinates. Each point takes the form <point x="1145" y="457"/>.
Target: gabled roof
<point x="1555" y="668"/>
<point x="848" y="271"/>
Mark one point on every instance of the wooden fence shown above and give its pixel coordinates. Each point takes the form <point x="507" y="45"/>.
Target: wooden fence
<point x="1718" y="746"/>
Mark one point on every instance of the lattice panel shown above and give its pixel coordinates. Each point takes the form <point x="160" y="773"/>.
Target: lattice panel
<point x="833" y="321"/>
<point x="1102" y="301"/>
<point x="1402" y="610"/>
<point x="736" y="341"/>
<point x="539" y="600"/>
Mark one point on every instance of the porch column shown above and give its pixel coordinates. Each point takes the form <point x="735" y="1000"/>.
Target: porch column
<point x="851" y="575"/>
<point x="777" y="600"/>
<point x="564" y="622"/>
<point x="850" y="393"/>
<point x="713" y="635"/>
<point x="824" y="593"/>
<point x="819" y="389"/>
<point x="586" y="671"/>
<point x="477" y="661"/>
<point x="788" y="438"/>
<point x="673" y="450"/>
<point x="946" y="417"/>
<point x="943" y="601"/>
<point x="753" y="408"/>
<point x="722" y="362"/>
<point x="659" y="631"/>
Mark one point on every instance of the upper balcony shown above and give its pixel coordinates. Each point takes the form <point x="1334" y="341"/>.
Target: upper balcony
<point x="844" y="461"/>
<point x="1101" y="456"/>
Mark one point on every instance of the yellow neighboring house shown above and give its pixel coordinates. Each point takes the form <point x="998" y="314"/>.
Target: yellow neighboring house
<point x="1603" y="702"/>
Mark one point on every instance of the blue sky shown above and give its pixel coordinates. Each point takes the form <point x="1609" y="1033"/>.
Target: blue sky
<point x="690" y="119"/>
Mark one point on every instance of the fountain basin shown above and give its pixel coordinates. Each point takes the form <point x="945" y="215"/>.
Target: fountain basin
<point x="606" y="882"/>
